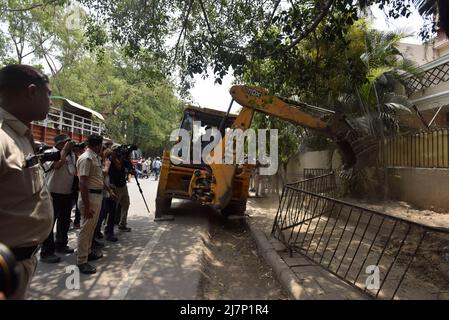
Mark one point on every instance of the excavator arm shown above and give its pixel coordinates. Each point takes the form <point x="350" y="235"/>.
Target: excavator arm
<point x="258" y="100"/>
<point x="357" y="148"/>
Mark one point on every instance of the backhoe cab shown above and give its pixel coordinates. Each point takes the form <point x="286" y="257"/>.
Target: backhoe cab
<point x="192" y="181"/>
<point x="225" y="186"/>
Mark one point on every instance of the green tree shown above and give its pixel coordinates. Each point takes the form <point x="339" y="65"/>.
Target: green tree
<point x="30" y="28"/>
<point x="133" y="92"/>
<point x="200" y="34"/>
<point x="142" y="112"/>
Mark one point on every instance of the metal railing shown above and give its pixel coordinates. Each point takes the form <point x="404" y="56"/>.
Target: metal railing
<point x="420" y="150"/>
<point x="324" y="185"/>
<point x="288" y="215"/>
<point x="315" y="172"/>
<point x="70" y="122"/>
<point x="357" y="244"/>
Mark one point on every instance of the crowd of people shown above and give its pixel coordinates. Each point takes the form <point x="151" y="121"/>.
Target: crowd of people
<point x="145" y="168"/>
<point x="93" y="179"/>
<point x="37" y="195"/>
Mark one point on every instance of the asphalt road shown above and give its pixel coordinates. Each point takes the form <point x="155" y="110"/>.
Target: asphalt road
<point x="157" y="260"/>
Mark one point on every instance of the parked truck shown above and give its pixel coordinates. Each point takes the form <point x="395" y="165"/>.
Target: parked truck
<point x="69" y="117"/>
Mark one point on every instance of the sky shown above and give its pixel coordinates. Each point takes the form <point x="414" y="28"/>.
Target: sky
<point x="214" y="96"/>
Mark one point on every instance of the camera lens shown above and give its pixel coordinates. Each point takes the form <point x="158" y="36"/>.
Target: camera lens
<point x="8" y="271"/>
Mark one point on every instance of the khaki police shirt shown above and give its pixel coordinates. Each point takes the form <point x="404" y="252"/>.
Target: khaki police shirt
<point x="26" y="210"/>
<point x="89" y="164"/>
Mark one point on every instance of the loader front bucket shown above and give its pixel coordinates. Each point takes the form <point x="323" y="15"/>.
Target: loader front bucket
<point x="358" y="148"/>
<point x="357" y="151"/>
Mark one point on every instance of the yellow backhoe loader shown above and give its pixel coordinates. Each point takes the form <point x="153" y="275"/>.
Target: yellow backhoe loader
<point x="225" y="186"/>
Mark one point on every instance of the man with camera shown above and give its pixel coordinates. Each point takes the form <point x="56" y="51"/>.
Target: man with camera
<point x="91" y="186"/>
<point x="26" y="211"/>
<point x="60" y="177"/>
<point x="118" y="173"/>
<point x="108" y="208"/>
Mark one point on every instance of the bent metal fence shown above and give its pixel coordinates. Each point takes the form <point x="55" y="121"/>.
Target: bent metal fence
<point x="384" y="256"/>
<point x="315" y="172"/>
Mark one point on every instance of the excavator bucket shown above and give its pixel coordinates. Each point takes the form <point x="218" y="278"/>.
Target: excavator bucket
<point x="357" y="153"/>
<point x="358" y="148"/>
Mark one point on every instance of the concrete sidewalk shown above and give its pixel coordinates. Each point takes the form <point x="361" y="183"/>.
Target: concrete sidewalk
<point x="300" y="277"/>
<point x="156" y="260"/>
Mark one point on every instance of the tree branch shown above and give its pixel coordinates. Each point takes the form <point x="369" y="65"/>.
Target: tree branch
<point x="22" y="40"/>
<point x="16" y="45"/>
<point x="214" y="41"/>
<point x="207" y="20"/>
<point x="271" y="18"/>
<point x="45" y="54"/>
<point x="293" y="5"/>
<point x="31" y="52"/>
<point x="34" y="6"/>
<point x="40" y="44"/>
<point x="186" y="19"/>
<point x="310" y="29"/>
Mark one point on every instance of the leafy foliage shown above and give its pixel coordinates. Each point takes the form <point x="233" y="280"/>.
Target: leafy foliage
<point x="133" y="93"/>
<point x="355" y="74"/>
<point x="223" y="35"/>
<point x="141" y="110"/>
<point x="318" y="51"/>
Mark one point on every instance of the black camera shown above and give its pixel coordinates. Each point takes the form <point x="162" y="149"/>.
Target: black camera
<point x="125" y="149"/>
<point x="81" y="145"/>
<point x="41" y="148"/>
<point x="33" y="159"/>
<point x="9" y="275"/>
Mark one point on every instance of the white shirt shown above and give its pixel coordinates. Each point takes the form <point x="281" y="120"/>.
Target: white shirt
<point x="60" y="180"/>
<point x="157" y="164"/>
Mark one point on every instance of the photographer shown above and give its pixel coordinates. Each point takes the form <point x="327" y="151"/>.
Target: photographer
<point x="108" y="206"/>
<point x="60" y="176"/>
<point x="26" y="211"/>
<point x="118" y="173"/>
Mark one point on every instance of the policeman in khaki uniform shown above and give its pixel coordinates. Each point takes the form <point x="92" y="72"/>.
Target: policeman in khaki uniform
<point x="26" y="211"/>
<point x="91" y="186"/>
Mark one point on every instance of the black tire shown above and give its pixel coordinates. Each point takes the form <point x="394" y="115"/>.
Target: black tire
<point x="163" y="206"/>
<point x="237" y="208"/>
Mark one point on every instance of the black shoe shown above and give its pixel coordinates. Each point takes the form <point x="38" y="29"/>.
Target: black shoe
<point x="99" y="235"/>
<point x="51" y="258"/>
<point x="124" y="229"/>
<point x="94" y="256"/>
<point x="65" y="249"/>
<point x="97" y="244"/>
<point x="111" y="238"/>
<point x="87" y="268"/>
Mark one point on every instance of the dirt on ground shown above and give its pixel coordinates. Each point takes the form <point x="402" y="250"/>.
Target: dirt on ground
<point x="233" y="268"/>
<point x="431" y="264"/>
<point x="406" y="211"/>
